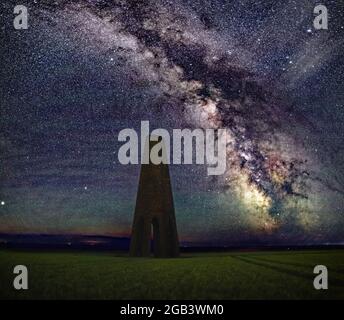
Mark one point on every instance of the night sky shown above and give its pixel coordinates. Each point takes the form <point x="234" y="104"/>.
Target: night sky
<point x="84" y="70"/>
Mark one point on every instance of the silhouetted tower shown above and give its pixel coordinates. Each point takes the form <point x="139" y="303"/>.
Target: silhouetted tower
<point x="154" y="209"/>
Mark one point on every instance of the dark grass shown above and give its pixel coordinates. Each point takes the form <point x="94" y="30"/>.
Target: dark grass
<point x="225" y="275"/>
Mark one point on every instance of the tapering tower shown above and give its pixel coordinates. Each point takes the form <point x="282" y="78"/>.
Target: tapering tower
<point x="154" y="211"/>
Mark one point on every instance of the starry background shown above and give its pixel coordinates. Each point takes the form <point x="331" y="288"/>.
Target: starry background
<point x="84" y="70"/>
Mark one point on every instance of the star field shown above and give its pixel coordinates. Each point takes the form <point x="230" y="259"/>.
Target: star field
<point x="84" y="70"/>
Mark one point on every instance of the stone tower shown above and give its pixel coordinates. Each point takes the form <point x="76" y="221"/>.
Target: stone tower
<point x="154" y="211"/>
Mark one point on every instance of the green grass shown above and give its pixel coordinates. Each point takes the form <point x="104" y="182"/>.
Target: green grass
<point x="255" y="275"/>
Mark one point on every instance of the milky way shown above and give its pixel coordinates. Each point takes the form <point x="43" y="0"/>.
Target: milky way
<point x="86" y="69"/>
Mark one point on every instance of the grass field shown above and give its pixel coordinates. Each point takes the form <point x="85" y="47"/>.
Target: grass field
<point x="237" y="275"/>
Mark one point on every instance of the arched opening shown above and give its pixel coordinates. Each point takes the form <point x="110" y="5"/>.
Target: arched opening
<point x="155" y="237"/>
<point x="139" y="226"/>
